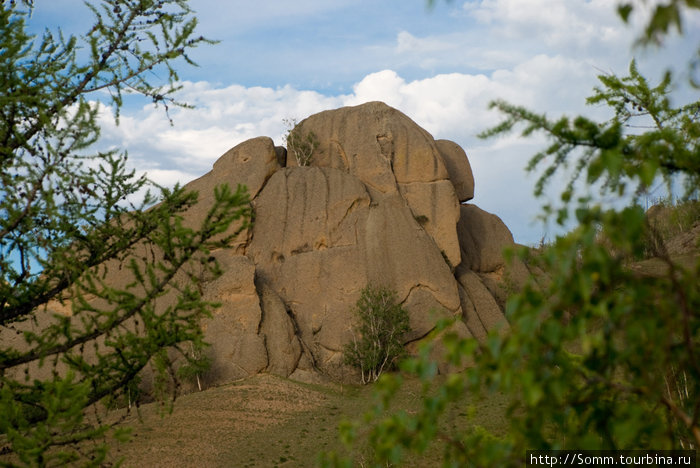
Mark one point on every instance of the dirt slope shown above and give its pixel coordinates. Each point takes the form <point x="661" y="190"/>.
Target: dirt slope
<point x="230" y="425"/>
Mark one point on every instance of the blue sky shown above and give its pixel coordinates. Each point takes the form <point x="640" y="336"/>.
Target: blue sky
<point x="441" y="66"/>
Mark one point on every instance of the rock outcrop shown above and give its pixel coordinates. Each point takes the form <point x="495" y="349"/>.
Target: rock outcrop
<point x="458" y="168"/>
<point x="390" y="155"/>
<point x="379" y="203"/>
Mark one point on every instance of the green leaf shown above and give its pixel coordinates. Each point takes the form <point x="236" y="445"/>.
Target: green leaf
<point x="624" y="11"/>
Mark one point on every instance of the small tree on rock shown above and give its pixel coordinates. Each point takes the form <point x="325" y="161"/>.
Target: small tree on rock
<point x="300" y="145"/>
<point x="383" y="323"/>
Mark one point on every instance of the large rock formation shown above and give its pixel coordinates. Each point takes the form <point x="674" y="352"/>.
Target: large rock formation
<point x="379" y="203"/>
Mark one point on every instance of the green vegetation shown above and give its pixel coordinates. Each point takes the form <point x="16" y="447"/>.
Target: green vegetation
<point x="383" y="324"/>
<point x="68" y="225"/>
<point x="601" y="355"/>
<point x="260" y="420"/>
<point x="301" y="146"/>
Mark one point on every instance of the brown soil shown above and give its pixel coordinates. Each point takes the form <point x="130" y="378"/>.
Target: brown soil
<point x="223" y="426"/>
<point x="267" y="421"/>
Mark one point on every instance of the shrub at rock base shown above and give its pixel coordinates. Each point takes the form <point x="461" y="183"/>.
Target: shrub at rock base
<point x="383" y="323"/>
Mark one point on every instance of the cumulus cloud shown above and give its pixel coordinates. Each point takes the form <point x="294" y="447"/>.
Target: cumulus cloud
<point x="559" y="24"/>
<point x="456" y="104"/>
<point x="222" y="118"/>
<point x="407" y="42"/>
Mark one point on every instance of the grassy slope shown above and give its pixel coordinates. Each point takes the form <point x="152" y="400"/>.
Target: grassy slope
<point x="267" y="421"/>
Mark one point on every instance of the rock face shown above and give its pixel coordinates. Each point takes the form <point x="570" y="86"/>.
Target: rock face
<point x="391" y="155"/>
<point x="458" y="167"/>
<point x="379" y="204"/>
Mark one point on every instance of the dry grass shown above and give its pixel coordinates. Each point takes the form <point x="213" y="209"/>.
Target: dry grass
<point x="267" y="421"/>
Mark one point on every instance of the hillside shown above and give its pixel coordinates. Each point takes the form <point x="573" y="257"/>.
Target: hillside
<point x="266" y="421"/>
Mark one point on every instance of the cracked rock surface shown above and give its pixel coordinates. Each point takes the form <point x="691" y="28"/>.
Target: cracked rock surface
<point x="378" y="204"/>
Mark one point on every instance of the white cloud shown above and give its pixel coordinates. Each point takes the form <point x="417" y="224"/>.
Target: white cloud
<point x="223" y="118"/>
<point x="408" y="43"/>
<point x="456" y="104"/>
<point x="556" y="23"/>
<point x="463" y="50"/>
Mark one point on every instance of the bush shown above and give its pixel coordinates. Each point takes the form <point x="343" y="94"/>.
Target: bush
<point x="383" y="323"/>
<point x="301" y="146"/>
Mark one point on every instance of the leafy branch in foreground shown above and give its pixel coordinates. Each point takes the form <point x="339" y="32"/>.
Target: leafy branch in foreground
<point x="610" y="153"/>
<point x="93" y="287"/>
<point x="663" y="18"/>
